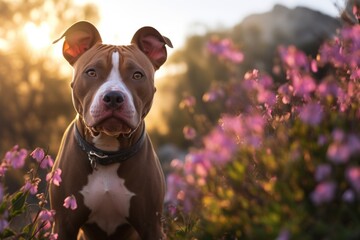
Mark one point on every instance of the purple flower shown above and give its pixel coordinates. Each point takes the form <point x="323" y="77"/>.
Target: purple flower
<point x="31" y="186"/>
<point x="322" y="172"/>
<point x="1" y="193"/>
<point x="16" y="157"/>
<point x="225" y="49"/>
<point x="175" y="184"/>
<point x="286" y="91"/>
<point x="233" y="124"/>
<point x="323" y="193"/>
<point x="46" y="217"/>
<point x="38" y="154"/>
<point x="311" y="114"/>
<point x="54" y="177"/>
<point x="348" y="196"/>
<point x="343" y="146"/>
<point x="353" y="176"/>
<point x="46" y="162"/>
<point x="70" y="202"/>
<point x="303" y="85"/>
<point x="219" y="146"/>
<point x="284" y="235"/>
<point x="328" y="88"/>
<point x="338" y="152"/>
<point x="51" y="236"/>
<point x="293" y="58"/>
<point x="267" y="97"/>
<point x="3" y="224"/>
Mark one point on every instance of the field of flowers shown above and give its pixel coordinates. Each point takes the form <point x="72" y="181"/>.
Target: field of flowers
<point x="283" y="162"/>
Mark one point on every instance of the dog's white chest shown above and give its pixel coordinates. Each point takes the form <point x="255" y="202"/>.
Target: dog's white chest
<point x="107" y="197"/>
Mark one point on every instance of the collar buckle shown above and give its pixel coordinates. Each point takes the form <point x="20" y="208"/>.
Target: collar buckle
<point x="93" y="156"/>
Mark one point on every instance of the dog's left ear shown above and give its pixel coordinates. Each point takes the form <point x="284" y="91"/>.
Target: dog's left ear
<point x="79" y="38"/>
<point x="152" y="43"/>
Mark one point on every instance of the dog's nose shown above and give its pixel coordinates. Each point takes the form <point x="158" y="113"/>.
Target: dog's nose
<point x="113" y="99"/>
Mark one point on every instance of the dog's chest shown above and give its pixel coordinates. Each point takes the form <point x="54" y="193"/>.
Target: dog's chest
<point x="107" y="197"/>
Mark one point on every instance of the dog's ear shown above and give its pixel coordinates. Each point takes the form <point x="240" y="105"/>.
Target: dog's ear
<point x="152" y="43"/>
<point x="80" y="37"/>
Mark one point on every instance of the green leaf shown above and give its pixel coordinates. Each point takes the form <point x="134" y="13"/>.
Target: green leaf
<point x="18" y="204"/>
<point x="7" y="233"/>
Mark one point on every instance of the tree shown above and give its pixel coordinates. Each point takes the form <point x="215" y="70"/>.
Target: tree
<point x="35" y="95"/>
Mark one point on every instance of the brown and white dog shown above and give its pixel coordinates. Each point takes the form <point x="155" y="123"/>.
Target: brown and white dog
<point x="107" y="160"/>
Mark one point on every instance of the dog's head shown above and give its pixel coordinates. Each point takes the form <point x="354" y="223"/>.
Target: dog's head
<point x="113" y="86"/>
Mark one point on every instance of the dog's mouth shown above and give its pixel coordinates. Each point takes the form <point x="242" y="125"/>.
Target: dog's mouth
<point x="113" y="126"/>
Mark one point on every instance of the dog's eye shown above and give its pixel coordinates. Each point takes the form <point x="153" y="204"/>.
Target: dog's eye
<point x="91" y="73"/>
<point x="137" y="75"/>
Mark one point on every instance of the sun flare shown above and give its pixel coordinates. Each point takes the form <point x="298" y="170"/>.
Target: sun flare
<point x="38" y="36"/>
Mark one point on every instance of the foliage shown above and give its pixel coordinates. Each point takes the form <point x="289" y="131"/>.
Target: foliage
<point x="19" y="219"/>
<point x="32" y="86"/>
<point x="283" y="160"/>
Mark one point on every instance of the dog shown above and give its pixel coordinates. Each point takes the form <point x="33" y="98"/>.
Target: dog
<point x="107" y="159"/>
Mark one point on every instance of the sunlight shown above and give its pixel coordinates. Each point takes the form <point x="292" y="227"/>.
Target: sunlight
<point x="38" y="36"/>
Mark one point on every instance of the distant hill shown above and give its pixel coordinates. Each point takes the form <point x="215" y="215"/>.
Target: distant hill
<point x="258" y="37"/>
<point x="260" y="34"/>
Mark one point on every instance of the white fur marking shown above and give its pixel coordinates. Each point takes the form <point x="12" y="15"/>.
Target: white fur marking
<point x="114" y="82"/>
<point x="107" y="197"/>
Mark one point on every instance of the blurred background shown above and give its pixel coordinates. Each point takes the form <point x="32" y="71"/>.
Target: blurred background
<point x="35" y="98"/>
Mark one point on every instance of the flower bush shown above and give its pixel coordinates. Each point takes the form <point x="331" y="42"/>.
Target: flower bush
<point x="19" y="218"/>
<point x="282" y="163"/>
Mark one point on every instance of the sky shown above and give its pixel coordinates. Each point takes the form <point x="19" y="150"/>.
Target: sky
<point x="177" y="19"/>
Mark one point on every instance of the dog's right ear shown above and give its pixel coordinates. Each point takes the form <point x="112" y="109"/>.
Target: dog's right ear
<point x="80" y="37"/>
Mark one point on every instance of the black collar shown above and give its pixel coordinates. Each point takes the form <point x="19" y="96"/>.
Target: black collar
<point x="98" y="156"/>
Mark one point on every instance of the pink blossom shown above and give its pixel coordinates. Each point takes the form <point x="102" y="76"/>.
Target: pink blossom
<point x="51" y="236"/>
<point x="219" y="146"/>
<point x="3" y="168"/>
<point x="214" y="94"/>
<point x="46" y="162"/>
<point x="314" y="66"/>
<point x="187" y="102"/>
<point x="267" y="97"/>
<point x="54" y="177"/>
<point x="293" y="58"/>
<point x="175" y="184"/>
<point x="311" y="114"/>
<point x="31" y="186"/>
<point x="233" y="124"/>
<point x="323" y="193"/>
<point x="303" y="85"/>
<point x="38" y="154"/>
<point x="225" y="49"/>
<point x="189" y="132"/>
<point x="255" y="123"/>
<point x="46" y="217"/>
<point x="16" y="157"/>
<point x="70" y="202"/>
<point x="328" y="88"/>
<point x="343" y="146"/>
<point x="286" y="91"/>
<point x="177" y="164"/>
<point x="353" y="176"/>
